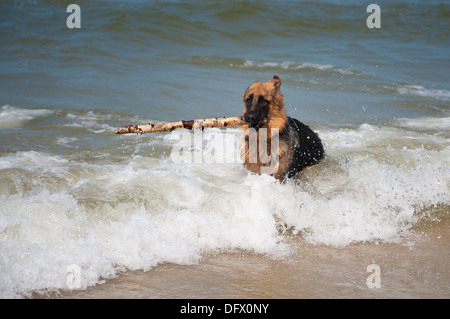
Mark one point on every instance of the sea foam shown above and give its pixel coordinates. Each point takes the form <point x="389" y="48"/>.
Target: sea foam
<point x="439" y="94"/>
<point x="109" y="218"/>
<point x="288" y="65"/>
<point x="11" y="116"/>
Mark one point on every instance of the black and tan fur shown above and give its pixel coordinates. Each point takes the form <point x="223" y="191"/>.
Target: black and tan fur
<point x="299" y="146"/>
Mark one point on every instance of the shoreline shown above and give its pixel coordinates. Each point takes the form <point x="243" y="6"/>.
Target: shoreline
<point x="419" y="270"/>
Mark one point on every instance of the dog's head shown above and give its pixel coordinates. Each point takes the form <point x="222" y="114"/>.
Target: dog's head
<point x="261" y="100"/>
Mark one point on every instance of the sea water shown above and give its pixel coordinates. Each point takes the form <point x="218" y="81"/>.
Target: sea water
<point x="78" y="200"/>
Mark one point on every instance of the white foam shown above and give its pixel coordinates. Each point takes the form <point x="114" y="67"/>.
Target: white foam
<point x="109" y="218"/>
<point x="288" y="65"/>
<point x="11" y="116"/>
<point x="426" y="123"/>
<point x="91" y="122"/>
<point x="66" y="140"/>
<point x="442" y="94"/>
<point x="31" y="160"/>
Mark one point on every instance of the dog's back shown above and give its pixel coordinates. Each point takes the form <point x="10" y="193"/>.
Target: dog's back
<point x="305" y="147"/>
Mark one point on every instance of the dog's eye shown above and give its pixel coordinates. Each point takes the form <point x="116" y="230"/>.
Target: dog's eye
<point x="263" y="101"/>
<point x="248" y="100"/>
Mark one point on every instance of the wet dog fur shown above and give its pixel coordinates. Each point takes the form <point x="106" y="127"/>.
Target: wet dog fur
<point x="298" y="145"/>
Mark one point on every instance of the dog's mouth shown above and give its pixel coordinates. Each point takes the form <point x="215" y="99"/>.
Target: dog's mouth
<point x="255" y="121"/>
<point x="257" y="125"/>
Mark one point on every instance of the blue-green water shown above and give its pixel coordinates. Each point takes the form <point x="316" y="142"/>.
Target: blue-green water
<point x="379" y="99"/>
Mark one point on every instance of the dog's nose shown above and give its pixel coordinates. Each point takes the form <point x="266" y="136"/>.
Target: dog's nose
<point x="250" y="117"/>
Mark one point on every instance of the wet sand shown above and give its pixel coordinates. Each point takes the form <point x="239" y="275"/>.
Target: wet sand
<point x="416" y="268"/>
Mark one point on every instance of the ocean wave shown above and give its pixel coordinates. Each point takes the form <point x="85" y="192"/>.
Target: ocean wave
<point x="66" y="140"/>
<point x="287" y="65"/>
<point x="374" y="185"/>
<point x="426" y="123"/>
<point x="439" y="94"/>
<point x="11" y="116"/>
<point x="240" y="63"/>
<point x="90" y="121"/>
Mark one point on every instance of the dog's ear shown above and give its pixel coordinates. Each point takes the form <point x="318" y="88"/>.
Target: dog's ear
<point x="276" y="81"/>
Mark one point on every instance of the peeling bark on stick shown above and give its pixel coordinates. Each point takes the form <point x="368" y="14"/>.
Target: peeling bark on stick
<point x="193" y="124"/>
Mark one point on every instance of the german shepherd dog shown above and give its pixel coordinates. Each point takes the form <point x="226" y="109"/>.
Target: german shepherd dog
<point x="292" y="144"/>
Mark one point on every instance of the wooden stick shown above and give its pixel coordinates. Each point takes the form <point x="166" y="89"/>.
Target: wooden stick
<point x="192" y="124"/>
